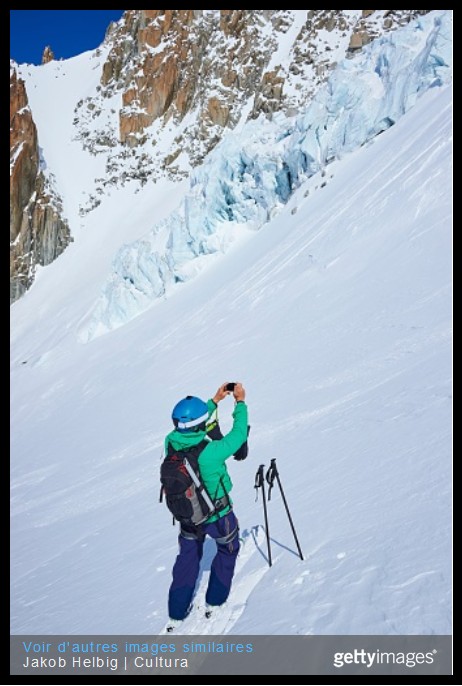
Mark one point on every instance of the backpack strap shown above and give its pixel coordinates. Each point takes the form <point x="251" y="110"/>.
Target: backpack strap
<point x="190" y="535"/>
<point x="224" y="540"/>
<point x="195" y="450"/>
<point x="213" y="427"/>
<point x="200" y="487"/>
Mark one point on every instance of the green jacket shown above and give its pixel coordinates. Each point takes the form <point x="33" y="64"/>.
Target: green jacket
<point x="212" y="460"/>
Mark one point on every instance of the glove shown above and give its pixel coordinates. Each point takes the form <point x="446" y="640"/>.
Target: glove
<point x="242" y="453"/>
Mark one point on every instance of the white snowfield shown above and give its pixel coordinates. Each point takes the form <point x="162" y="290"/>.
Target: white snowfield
<point x="337" y="317"/>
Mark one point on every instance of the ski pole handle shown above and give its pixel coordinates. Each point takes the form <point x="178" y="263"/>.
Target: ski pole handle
<point x="271" y="475"/>
<point x="259" y="476"/>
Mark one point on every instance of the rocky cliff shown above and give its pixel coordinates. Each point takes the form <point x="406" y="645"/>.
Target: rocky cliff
<point x="38" y="233"/>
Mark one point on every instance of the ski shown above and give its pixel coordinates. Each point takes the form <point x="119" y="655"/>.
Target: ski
<point x="173" y="625"/>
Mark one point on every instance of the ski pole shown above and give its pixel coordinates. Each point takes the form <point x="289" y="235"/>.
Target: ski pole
<point x="272" y="474"/>
<point x="260" y="483"/>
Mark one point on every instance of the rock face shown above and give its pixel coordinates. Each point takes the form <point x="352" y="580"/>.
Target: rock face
<point x="208" y="64"/>
<point x="38" y="234"/>
<point x="172" y="62"/>
<point x="48" y="55"/>
<point x="375" y="22"/>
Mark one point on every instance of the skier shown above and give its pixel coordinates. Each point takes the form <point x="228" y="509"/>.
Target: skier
<point x="189" y="418"/>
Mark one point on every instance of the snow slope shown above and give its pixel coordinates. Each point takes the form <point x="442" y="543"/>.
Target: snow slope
<point x="337" y="318"/>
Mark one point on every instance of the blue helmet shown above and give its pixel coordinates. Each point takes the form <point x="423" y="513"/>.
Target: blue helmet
<point x="190" y="413"/>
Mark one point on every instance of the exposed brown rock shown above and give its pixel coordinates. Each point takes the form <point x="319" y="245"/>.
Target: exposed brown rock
<point x="24" y="157"/>
<point x="231" y="21"/>
<point x="217" y="112"/>
<point x="48" y="55"/>
<point x="356" y="41"/>
<point x="38" y="234"/>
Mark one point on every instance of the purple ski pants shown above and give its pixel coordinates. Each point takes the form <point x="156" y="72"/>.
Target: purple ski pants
<point x="185" y="571"/>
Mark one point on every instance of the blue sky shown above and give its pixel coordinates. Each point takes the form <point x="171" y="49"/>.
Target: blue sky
<point x="67" y="32"/>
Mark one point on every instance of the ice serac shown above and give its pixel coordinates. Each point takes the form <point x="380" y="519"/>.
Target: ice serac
<point x="248" y="176"/>
<point x="38" y="233"/>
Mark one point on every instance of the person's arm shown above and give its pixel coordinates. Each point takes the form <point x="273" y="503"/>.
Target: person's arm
<point x="225" y="447"/>
<point x="232" y="441"/>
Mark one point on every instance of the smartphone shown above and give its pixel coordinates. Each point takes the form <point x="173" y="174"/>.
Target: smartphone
<point x="230" y="386"/>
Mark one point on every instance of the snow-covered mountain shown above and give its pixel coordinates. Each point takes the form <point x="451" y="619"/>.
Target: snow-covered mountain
<point x="158" y="95"/>
<point x="321" y="257"/>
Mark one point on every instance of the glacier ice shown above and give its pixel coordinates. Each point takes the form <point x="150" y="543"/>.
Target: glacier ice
<point x="252" y="173"/>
